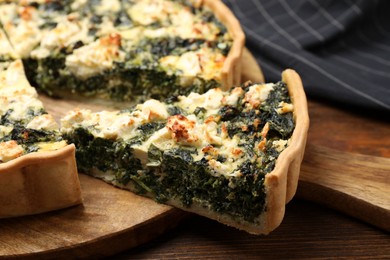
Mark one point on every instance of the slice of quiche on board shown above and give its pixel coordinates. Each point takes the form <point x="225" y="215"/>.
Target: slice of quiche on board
<point x="232" y="156"/>
<point x="38" y="171"/>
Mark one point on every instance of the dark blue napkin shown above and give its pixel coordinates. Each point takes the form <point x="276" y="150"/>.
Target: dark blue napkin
<point x="341" y="48"/>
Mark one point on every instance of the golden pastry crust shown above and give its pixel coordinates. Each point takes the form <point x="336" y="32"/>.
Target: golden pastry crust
<point x="32" y="182"/>
<point x="39" y="182"/>
<point x="231" y="71"/>
<point x="282" y="182"/>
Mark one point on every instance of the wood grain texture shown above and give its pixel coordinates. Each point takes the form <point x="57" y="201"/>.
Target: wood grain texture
<point x="308" y="231"/>
<point x="351" y="130"/>
<point x="97" y="228"/>
<point x="356" y="184"/>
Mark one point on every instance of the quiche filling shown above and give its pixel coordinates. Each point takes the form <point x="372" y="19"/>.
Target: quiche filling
<point x="25" y="126"/>
<point x="120" y="49"/>
<point x="212" y="150"/>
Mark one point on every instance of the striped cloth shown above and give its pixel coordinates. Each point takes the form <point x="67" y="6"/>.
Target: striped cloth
<point x="341" y="48"/>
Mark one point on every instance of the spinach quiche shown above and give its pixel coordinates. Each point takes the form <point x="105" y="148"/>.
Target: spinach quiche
<point x="37" y="166"/>
<point x="233" y="156"/>
<point x="192" y="141"/>
<point x="127" y="50"/>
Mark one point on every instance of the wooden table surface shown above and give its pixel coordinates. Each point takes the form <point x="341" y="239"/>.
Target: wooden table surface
<point x="308" y="230"/>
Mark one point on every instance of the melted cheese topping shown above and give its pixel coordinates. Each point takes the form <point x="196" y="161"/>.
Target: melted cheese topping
<point x="8" y="12"/>
<point x="115" y="124"/>
<point x="13" y="77"/>
<point x="177" y="20"/>
<point x="108" y="6"/>
<point x="96" y="57"/>
<point x="184" y="130"/>
<point x="43" y="122"/>
<point x="10" y="150"/>
<point x="68" y="31"/>
<point x="20" y="101"/>
<point x="189" y="132"/>
<point x="150" y="11"/>
<point x="107" y="27"/>
<point x="188" y="63"/>
<point x="19" y="104"/>
<point x="258" y="94"/>
<point x="24" y="37"/>
<point x="78" y="4"/>
<point x="234" y="96"/>
<point x="204" y="63"/>
<point x="280" y="145"/>
<point x="285" y="108"/>
<point x="16" y="94"/>
<point x="5" y="130"/>
<point x="206" y="134"/>
<point x="45" y="147"/>
<point x="211" y="101"/>
<point x="22" y="27"/>
<point x="6" y="50"/>
<point x="186" y="25"/>
<point x="27" y="2"/>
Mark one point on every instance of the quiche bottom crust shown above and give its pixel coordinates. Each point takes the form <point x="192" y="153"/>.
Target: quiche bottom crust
<point x="39" y="182"/>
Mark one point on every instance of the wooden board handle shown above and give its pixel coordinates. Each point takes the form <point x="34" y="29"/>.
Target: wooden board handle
<point x="358" y="185"/>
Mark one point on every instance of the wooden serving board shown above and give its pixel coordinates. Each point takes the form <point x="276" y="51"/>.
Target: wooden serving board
<point x="112" y="220"/>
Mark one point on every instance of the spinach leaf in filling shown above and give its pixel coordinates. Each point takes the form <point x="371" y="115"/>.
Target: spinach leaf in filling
<point x="6" y="119"/>
<point x="126" y="81"/>
<point x="29" y="138"/>
<point x="173" y="174"/>
<point x="178" y="176"/>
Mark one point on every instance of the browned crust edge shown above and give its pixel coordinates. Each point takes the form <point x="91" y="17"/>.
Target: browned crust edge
<point x="39" y="182"/>
<point x="231" y="70"/>
<point x="282" y="182"/>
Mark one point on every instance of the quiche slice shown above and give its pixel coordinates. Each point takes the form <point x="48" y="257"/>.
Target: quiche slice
<point x="233" y="156"/>
<point x="38" y="170"/>
<point x="125" y="50"/>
